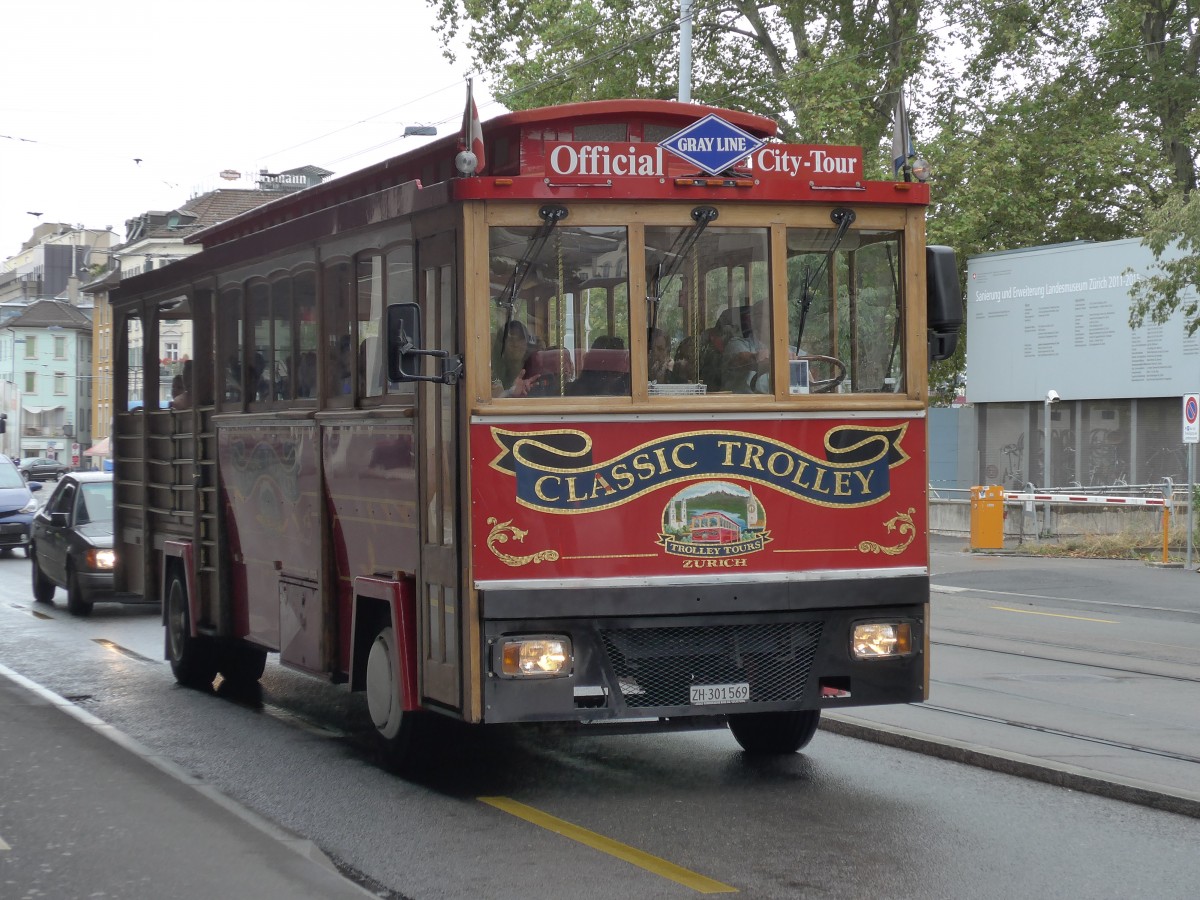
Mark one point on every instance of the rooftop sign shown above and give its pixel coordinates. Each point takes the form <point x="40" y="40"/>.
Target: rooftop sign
<point x="712" y="144"/>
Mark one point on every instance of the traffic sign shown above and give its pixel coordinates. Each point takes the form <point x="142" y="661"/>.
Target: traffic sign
<point x="1191" y="418"/>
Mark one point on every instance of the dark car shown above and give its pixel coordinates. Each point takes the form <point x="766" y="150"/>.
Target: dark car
<point x="17" y="506"/>
<point x="72" y="542"/>
<point x="42" y="468"/>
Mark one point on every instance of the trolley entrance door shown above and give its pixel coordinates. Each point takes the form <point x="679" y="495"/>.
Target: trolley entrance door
<point x="437" y="422"/>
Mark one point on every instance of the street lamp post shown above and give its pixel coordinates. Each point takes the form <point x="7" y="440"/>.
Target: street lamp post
<point x="1051" y="398"/>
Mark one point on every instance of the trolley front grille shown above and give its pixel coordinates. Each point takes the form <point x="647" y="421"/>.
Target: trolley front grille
<point x="655" y="667"/>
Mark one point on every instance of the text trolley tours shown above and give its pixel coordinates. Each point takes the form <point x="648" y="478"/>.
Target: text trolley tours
<point x="626" y="423"/>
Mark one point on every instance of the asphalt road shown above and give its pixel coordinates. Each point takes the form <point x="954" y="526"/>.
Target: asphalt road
<point x="507" y="812"/>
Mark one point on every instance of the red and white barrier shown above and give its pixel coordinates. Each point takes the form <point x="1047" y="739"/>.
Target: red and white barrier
<point x="1018" y="496"/>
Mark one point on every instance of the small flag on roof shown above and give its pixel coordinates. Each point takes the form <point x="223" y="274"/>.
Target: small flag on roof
<point x="472" y="133"/>
<point x="902" y="147"/>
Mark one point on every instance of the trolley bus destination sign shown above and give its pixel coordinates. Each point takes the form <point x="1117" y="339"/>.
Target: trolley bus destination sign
<point x="682" y="153"/>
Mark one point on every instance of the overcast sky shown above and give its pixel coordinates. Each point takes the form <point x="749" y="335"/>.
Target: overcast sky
<point x="88" y="88"/>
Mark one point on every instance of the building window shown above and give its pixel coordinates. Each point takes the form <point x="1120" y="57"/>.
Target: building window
<point x="171" y="351"/>
<point x="60" y="383"/>
<point x="60" y="347"/>
<point x="30" y="382"/>
<point x="30" y="346"/>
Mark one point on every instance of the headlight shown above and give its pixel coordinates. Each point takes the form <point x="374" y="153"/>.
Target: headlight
<point x="881" y="640"/>
<point x="542" y="656"/>
<point x="101" y="559"/>
<point x="30" y="507"/>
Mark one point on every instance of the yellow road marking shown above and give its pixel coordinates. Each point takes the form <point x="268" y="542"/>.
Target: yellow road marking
<point x="1030" y="612"/>
<point x="632" y="855"/>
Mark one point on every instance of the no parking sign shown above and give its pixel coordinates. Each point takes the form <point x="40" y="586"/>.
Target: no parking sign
<point x="1191" y="418"/>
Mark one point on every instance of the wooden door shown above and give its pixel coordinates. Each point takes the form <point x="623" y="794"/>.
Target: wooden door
<point x="440" y="589"/>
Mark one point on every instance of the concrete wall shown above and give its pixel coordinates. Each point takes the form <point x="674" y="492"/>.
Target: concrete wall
<point x="953" y="517"/>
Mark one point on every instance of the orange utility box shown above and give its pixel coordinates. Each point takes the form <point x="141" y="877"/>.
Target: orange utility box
<point x="987" y="517"/>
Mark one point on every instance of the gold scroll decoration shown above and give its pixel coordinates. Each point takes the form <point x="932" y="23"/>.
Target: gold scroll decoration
<point x="901" y="522"/>
<point x="500" y="534"/>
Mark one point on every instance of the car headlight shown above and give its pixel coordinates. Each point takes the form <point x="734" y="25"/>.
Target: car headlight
<point x="30" y="507"/>
<point x="540" y="656"/>
<point x="101" y="559"/>
<point x="881" y="640"/>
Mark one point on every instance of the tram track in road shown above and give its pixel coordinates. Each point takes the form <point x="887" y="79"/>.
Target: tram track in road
<point x="1056" y="732"/>
<point x="1058" y="659"/>
<point x="1108" y="606"/>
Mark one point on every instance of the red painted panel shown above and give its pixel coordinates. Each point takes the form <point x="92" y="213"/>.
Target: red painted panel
<point x="371" y="490"/>
<point x="603" y="500"/>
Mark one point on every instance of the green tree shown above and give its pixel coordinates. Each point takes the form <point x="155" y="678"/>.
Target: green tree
<point x="828" y="72"/>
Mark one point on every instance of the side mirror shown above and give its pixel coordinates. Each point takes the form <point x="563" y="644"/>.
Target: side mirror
<point x="35" y="486"/>
<point x="404" y="348"/>
<point x="943" y="302"/>
<point x="60" y="519"/>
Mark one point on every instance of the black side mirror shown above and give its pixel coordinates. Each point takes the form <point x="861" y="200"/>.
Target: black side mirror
<point x="943" y="302"/>
<point x="404" y="348"/>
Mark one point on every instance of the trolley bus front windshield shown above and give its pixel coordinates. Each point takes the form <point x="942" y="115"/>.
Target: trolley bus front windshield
<point x="778" y="311"/>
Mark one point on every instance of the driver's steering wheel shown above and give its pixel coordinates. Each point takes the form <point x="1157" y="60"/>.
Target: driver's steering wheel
<point x="825" y="385"/>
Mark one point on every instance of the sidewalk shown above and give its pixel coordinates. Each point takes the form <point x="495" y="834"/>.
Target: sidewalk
<point x="1089" y="767"/>
<point x="87" y="810"/>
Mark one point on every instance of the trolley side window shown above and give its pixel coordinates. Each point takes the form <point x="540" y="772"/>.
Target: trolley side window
<point x="304" y="303"/>
<point x="560" y="313"/>
<point x="230" y="340"/>
<point x="400" y="286"/>
<point x="708" y="310"/>
<point x="336" y="300"/>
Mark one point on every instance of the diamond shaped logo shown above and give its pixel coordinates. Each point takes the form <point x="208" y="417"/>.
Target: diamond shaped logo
<point x="712" y="144"/>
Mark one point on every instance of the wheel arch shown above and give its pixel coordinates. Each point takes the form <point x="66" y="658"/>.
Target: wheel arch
<point x="177" y="558"/>
<point x="379" y="603"/>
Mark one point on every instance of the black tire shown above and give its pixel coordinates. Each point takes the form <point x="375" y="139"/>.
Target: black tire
<point x="43" y="587"/>
<point x="193" y="659"/>
<point x="242" y="664"/>
<point x="405" y="738"/>
<point x="77" y="604"/>
<point x="775" y="733"/>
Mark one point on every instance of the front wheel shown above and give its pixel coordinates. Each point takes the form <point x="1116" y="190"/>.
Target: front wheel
<point x="193" y="659"/>
<point x="776" y="733"/>
<point x="77" y="603"/>
<point x="404" y="736"/>
<point x="43" y="587"/>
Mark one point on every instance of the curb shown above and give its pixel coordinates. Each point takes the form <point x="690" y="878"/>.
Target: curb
<point x="290" y="840"/>
<point x="1035" y="769"/>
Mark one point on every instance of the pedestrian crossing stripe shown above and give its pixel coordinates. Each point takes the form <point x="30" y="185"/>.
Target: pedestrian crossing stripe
<point x="4" y="846"/>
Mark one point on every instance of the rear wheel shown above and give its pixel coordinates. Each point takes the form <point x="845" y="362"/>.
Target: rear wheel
<point x="404" y="736"/>
<point x="193" y="659"/>
<point x="43" y="587"/>
<point x="77" y="604"/>
<point x="775" y="732"/>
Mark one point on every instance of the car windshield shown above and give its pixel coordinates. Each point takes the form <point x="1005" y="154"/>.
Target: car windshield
<point x="10" y="477"/>
<point x="95" y="504"/>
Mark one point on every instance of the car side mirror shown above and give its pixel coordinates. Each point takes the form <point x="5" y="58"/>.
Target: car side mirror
<point x="943" y="302"/>
<point x="60" y="519"/>
<point x="35" y="485"/>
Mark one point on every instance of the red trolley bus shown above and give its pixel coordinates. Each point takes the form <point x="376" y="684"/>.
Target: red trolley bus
<point x="625" y="425"/>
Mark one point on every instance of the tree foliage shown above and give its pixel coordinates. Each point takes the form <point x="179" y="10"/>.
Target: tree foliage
<point x="1046" y="120"/>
